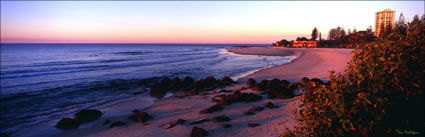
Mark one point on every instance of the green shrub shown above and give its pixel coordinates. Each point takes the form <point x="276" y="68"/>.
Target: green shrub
<point x="381" y="92"/>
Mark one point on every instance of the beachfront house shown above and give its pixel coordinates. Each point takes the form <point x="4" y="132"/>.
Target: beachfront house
<point x="309" y="44"/>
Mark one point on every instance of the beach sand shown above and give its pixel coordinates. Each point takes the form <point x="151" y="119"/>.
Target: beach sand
<point x="313" y="63"/>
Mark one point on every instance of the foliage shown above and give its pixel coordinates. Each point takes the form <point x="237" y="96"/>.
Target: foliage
<point x="337" y="34"/>
<point x="282" y="42"/>
<point x="302" y="39"/>
<point x="314" y="34"/>
<point x="381" y="92"/>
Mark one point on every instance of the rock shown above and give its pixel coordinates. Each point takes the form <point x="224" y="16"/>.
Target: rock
<point x="282" y="93"/>
<point x="252" y="125"/>
<point x="87" y="115"/>
<point x="4" y="135"/>
<point x="137" y="92"/>
<point x="140" y="117"/>
<point x="211" y="109"/>
<point x="198" y="132"/>
<point x="158" y="91"/>
<point x="165" y="82"/>
<point x="175" y="84"/>
<point x="106" y="122"/>
<point x="318" y="81"/>
<point x="116" y="123"/>
<point x="225" y="91"/>
<point x="273" y="84"/>
<point x="226" y="125"/>
<point x="261" y="86"/>
<point x="224" y="102"/>
<point x="250" y="97"/>
<point x="253" y="109"/>
<point x="172" y="124"/>
<point x="284" y="83"/>
<point x="200" y="121"/>
<point x="187" y="83"/>
<point x="193" y="91"/>
<point x="221" y="118"/>
<point x="270" y="105"/>
<point x="251" y="83"/>
<point x="256" y="108"/>
<point x="249" y="113"/>
<point x="303" y="82"/>
<point x="68" y="123"/>
<point x="226" y="81"/>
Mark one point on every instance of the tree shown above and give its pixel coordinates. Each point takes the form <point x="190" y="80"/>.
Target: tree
<point x="369" y="30"/>
<point x="314" y="34"/>
<point x="379" y="94"/>
<point x="349" y="32"/>
<point x="302" y="39"/>
<point x="332" y="34"/>
<point x="400" y="26"/>
<point x="354" y="31"/>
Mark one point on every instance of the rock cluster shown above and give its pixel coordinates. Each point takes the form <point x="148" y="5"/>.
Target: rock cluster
<point x="84" y="116"/>
<point x="198" y="132"/>
<point x="140" y="117"/>
<point x="273" y="88"/>
<point x="188" y="85"/>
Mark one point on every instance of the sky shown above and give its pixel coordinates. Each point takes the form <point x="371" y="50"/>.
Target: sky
<point x="249" y="22"/>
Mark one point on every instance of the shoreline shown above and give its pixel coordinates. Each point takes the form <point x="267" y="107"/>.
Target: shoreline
<point x="169" y="109"/>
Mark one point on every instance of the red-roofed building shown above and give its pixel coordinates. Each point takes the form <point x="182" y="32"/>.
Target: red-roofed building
<point x="309" y="44"/>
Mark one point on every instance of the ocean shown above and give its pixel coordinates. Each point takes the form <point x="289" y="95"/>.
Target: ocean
<point x="42" y="82"/>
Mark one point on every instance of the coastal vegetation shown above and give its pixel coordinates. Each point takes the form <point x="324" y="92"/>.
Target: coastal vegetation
<point x="381" y="92"/>
<point x="339" y="38"/>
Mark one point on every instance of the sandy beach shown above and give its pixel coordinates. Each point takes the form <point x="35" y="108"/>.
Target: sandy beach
<point x="312" y="63"/>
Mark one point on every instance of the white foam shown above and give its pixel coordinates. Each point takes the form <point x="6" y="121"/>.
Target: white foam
<point x="288" y="59"/>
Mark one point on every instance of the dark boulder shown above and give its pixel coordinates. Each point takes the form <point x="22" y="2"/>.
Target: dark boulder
<point x="270" y="105"/>
<point x="253" y="124"/>
<point x="4" y="135"/>
<point x="284" y="83"/>
<point x="261" y="86"/>
<point x="282" y="93"/>
<point x="224" y="102"/>
<point x="253" y="109"/>
<point x="158" y="92"/>
<point x="249" y="113"/>
<point x="176" y="84"/>
<point x="273" y="84"/>
<point x="165" y="81"/>
<point x="225" y="91"/>
<point x="140" y="117"/>
<point x="87" y="115"/>
<point x="211" y="109"/>
<point x="318" y="81"/>
<point x="187" y="83"/>
<point x="198" y="132"/>
<point x="226" y="81"/>
<point x="303" y="82"/>
<point x="172" y="124"/>
<point x="68" y="123"/>
<point x="226" y="125"/>
<point x="106" y="122"/>
<point x="251" y="83"/>
<point x="221" y="118"/>
<point x="199" y="121"/>
<point x="250" y="97"/>
<point x="256" y="108"/>
<point x="193" y="91"/>
<point x="116" y="123"/>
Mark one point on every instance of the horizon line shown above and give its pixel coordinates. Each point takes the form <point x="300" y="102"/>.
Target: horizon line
<point x="119" y="43"/>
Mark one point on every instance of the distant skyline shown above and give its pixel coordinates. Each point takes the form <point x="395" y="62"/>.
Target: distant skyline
<point x="239" y="22"/>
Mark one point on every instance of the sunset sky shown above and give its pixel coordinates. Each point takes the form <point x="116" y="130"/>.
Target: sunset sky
<point x="185" y="21"/>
